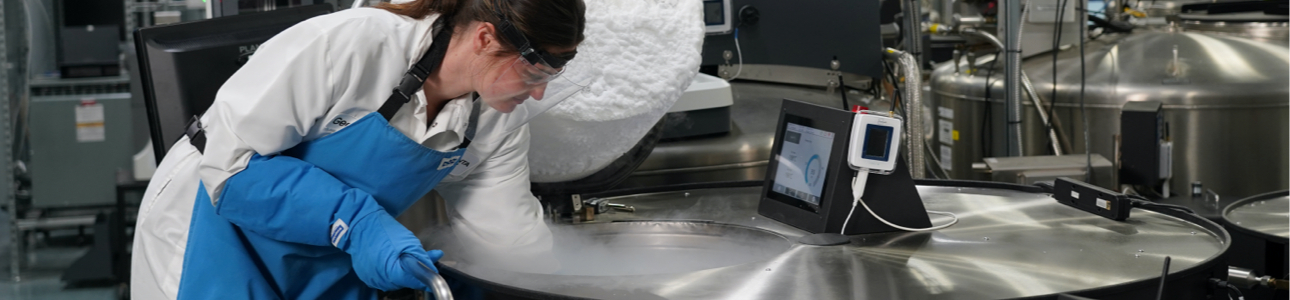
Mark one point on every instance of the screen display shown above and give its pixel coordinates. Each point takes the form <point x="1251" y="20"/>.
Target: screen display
<point x="877" y="139"/>
<point x="713" y="14"/>
<point x="803" y="162"/>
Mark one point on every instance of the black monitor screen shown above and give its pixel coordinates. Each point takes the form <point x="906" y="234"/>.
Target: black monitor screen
<point x="183" y="65"/>
<point x="877" y="139"/>
<point x="803" y="162"/>
<point x="713" y="14"/>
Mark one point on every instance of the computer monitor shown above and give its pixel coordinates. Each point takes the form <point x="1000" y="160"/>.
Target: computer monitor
<point x="181" y="66"/>
<point x="808" y="179"/>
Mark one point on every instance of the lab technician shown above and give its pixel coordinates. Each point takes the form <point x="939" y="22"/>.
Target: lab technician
<point x="287" y="187"/>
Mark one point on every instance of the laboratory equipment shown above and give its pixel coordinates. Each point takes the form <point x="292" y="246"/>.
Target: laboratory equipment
<point x="774" y="48"/>
<point x="89" y="36"/>
<point x="810" y="176"/>
<point x="183" y="65"/>
<point x="874" y="141"/>
<point x="79" y="142"/>
<point x="1210" y="94"/>
<point x="1145" y="149"/>
<point x="1028" y="170"/>
<point x="1023" y="244"/>
<point x="716" y="17"/>
<point x="1092" y="199"/>
<point x="1260" y="236"/>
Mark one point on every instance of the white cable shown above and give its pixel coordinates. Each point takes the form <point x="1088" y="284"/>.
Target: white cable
<point x="938" y="227"/>
<point x="740" y="53"/>
<point x="857" y="190"/>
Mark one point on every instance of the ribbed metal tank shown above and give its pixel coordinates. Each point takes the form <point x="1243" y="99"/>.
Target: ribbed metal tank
<point x="1225" y="99"/>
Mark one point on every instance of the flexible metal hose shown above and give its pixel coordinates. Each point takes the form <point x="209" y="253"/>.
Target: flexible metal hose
<point x="912" y="101"/>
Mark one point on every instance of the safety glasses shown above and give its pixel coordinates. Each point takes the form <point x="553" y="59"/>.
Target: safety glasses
<point x="535" y="66"/>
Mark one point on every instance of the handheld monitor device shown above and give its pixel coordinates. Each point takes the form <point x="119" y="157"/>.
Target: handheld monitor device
<point x="875" y="137"/>
<point x="810" y="175"/>
<point x="716" y="17"/>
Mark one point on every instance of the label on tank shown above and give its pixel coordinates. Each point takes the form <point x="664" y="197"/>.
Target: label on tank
<point x="946" y="132"/>
<point x="946" y="153"/>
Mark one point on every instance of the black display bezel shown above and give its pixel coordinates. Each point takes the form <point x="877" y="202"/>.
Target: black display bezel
<point x="773" y="167"/>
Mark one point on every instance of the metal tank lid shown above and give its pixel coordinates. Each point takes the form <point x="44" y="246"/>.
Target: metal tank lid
<point x="1265" y="214"/>
<point x="1264" y="20"/>
<point x="1008" y="244"/>
<point x="1182" y="70"/>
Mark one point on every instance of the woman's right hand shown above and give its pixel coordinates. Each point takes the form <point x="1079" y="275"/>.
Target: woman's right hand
<point x="378" y="245"/>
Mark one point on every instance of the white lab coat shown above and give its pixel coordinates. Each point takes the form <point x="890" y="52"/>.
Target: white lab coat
<point x="342" y="65"/>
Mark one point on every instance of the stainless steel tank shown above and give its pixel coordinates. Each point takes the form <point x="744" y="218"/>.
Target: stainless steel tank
<point x="1011" y="241"/>
<point x="1225" y="99"/>
<point x="1260" y="236"/>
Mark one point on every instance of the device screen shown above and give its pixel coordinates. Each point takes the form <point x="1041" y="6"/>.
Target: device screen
<point x="877" y="139"/>
<point x="712" y="13"/>
<point x="803" y="163"/>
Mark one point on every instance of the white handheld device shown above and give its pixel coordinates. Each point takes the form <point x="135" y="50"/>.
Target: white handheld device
<point x="875" y="138"/>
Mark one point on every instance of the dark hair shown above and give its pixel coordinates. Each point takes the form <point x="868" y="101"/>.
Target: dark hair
<point x="547" y="23"/>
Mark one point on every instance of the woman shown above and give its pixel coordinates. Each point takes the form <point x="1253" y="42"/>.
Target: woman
<point x="290" y="187"/>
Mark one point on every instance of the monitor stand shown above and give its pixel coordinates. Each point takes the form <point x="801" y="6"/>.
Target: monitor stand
<point x="892" y="196"/>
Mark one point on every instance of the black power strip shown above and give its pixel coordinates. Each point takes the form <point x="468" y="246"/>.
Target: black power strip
<point x="1091" y="198"/>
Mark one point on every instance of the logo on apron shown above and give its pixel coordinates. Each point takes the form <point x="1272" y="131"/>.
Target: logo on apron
<point x="338" y="230"/>
<point x="449" y="162"/>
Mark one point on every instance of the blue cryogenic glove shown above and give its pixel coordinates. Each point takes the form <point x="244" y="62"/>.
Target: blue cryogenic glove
<point x="378" y="244"/>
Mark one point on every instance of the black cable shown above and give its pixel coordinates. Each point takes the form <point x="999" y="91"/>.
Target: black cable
<point x="898" y="100"/>
<point x="1233" y="288"/>
<point x="1139" y="201"/>
<point x="987" y="134"/>
<point x="845" y="106"/>
<point x="1057" y="41"/>
<point x="1215" y="282"/>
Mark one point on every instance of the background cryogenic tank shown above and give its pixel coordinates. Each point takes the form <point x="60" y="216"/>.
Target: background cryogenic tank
<point x="1224" y="97"/>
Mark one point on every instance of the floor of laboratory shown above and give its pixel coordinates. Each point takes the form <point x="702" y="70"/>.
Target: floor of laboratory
<point x="40" y="276"/>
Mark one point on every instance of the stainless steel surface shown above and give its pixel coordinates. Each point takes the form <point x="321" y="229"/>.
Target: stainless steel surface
<point x="913" y="98"/>
<point x="741" y="154"/>
<point x="1028" y="170"/>
<point x="440" y="288"/>
<point x="1256" y="30"/>
<point x="1243" y="278"/>
<point x="1007" y="244"/>
<point x="1226" y="109"/>
<point x="792" y="74"/>
<point x="1011" y="18"/>
<point x="1268" y="216"/>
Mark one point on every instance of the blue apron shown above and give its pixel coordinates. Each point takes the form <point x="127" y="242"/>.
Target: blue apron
<point x="225" y="261"/>
<point x="286" y="202"/>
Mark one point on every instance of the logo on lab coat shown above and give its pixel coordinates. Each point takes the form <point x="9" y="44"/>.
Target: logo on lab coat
<point x="449" y="162"/>
<point x="340" y="121"/>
